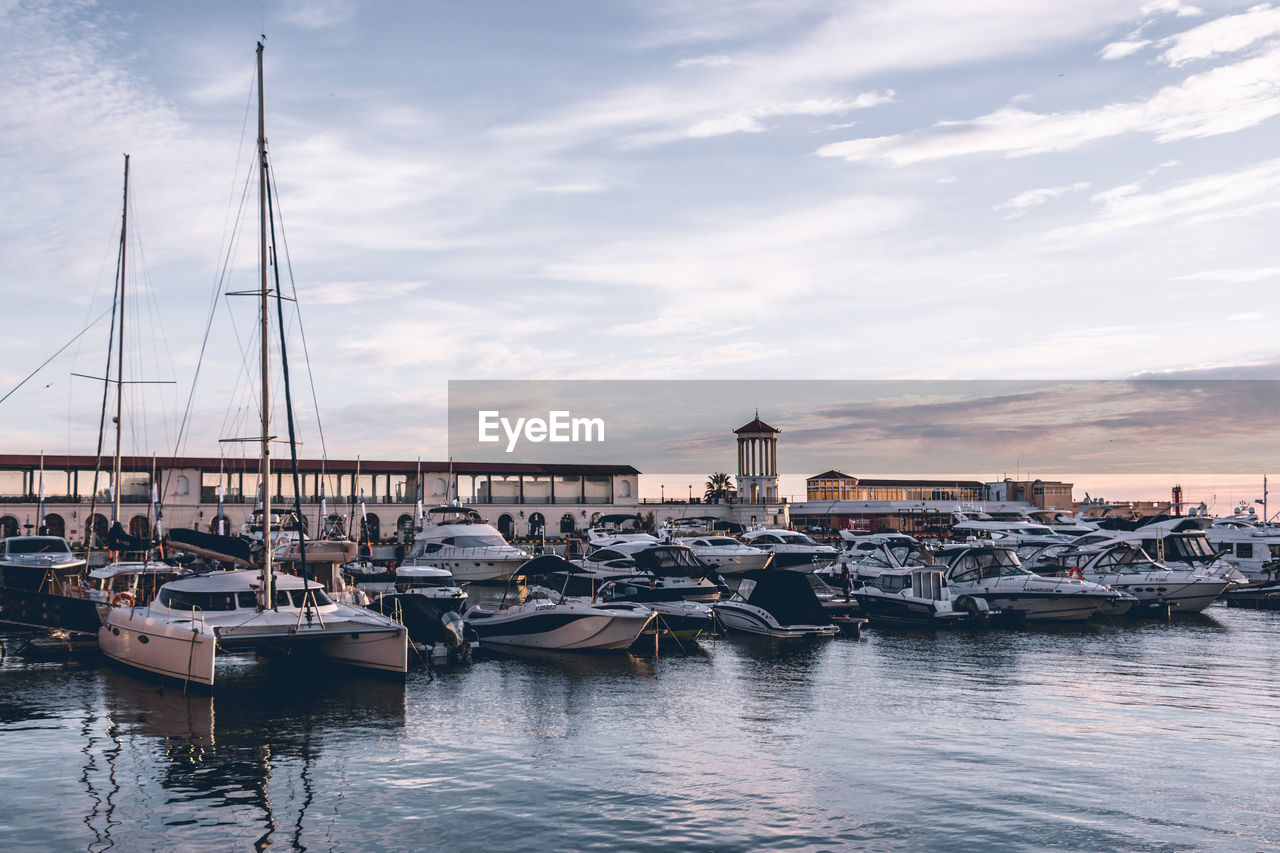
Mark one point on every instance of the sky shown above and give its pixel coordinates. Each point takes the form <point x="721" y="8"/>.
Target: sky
<point x="747" y="190"/>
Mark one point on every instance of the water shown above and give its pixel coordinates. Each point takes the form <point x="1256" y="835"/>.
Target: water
<point x="1142" y="736"/>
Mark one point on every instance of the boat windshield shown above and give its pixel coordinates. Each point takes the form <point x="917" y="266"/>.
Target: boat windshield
<point x="797" y="539"/>
<point x="486" y="541"/>
<point x="909" y="555"/>
<point x="37" y="545"/>
<point x="891" y="582"/>
<point x="721" y="541"/>
<point x="980" y="565"/>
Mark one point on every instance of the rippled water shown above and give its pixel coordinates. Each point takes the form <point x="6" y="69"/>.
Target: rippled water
<point x="1136" y="736"/>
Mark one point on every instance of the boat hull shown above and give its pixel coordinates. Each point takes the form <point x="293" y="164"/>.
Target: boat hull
<point x="548" y="628"/>
<point x="747" y="619"/>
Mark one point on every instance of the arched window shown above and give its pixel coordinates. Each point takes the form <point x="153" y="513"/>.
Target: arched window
<point x="441" y="486"/>
<point x="181" y="485"/>
<point x="54" y="525"/>
<point x="372" y="527"/>
<point x="8" y="527"/>
<point x="98" y="524"/>
<point x="537" y="524"/>
<point x="624" y="489"/>
<point x="506" y="526"/>
<point x="404" y="526"/>
<point x="566" y="523"/>
<point x="140" y="526"/>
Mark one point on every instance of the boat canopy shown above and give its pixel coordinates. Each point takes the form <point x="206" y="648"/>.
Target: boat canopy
<point x="669" y="561"/>
<point x="786" y="595"/>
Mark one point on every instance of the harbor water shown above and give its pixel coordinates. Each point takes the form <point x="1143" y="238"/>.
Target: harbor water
<point x="1130" y="736"/>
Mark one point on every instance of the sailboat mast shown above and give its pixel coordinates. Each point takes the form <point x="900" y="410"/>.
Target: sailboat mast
<point x="264" y="466"/>
<point x="124" y="246"/>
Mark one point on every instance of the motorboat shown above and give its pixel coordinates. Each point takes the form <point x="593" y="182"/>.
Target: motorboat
<point x="775" y="604"/>
<point x="790" y="549"/>
<point x="1011" y="532"/>
<point x="917" y="597"/>
<point x="677" y="617"/>
<point x="181" y="633"/>
<point x="40" y="585"/>
<point x="1246" y="541"/>
<point x="129" y="584"/>
<point x="38" y="562"/>
<point x="995" y="575"/>
<point x="866" y="557"/>
<point x="458" y="539"/>
<point x="548" y="619"/>
<point x="1261" y="594"/>
<point x="1129" y="569"/>
<point x="428" y="601"/>
<point x="728" y="556"/>
<point x="670" y="566"/>
<point x="1179" y="543"/>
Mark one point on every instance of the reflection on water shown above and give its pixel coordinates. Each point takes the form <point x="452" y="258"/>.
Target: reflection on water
<point x="1114" y="736"/>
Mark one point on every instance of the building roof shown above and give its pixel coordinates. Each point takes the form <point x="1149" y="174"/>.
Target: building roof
<point x="833" y="474"/>
<point x="331" y="466"/>
<point x="756" y="425"/>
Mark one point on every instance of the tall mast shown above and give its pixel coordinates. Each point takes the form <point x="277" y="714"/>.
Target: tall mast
<point x="264" y="466"/>
<point x="124" y="245"/>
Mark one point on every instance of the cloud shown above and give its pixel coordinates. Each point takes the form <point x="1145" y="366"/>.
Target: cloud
<point x="718" y="61"/>
<point x="1121" y="49"/>
<point x="1246" y="316"/>
<point x="1242" y="275"/>
<point x="1228" y="34"/>
<point x="1222" y="100"/>
<point x="1019" y="204"/>
<point x="319" y="14"/>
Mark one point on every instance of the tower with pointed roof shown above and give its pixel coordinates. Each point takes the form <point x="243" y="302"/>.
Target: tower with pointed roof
<point x="757" y="461"/>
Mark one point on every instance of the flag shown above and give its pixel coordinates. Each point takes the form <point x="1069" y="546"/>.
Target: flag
<point x="155" y="502"/>
<point x="259" y="506"/>
<point x="324" y="506"/>
<point x="421" y="512"/>
<point x="221" y="514"/>
<point x="364" y="517"/>
<point x="40" y="511"/>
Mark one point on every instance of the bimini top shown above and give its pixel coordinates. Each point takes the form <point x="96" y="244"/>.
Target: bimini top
<point x="786" y="595"/>
<point x="469" y="515"/>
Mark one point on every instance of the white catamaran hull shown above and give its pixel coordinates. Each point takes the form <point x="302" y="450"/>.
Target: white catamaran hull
<point x="187" y="649"/>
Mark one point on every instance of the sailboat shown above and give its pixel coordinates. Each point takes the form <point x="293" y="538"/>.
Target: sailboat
<point x="180" y="634"/>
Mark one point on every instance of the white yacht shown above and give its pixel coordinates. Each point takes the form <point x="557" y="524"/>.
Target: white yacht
<point x="1005" y="531"/>
<point x="791" y="550"/>
<point x="549" y="620"/>
<point x="724" y="553"/>
<point x="668" y="566"/>
<point x="917" y="597"/>
<point x="1179" y="543"/>
<point x="1247" y="541"/>
<point x="38" y="562"/>
<point x="191" y="620"/>
<point x="129" y="584"/>
<point x="867" y="556"/>
<point x="1129" y="569"/>
<point x="995" y="575"/>
<point x="458" y="539"/>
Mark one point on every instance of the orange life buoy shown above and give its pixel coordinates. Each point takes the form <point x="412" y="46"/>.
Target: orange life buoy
<point x="122" y="599"/>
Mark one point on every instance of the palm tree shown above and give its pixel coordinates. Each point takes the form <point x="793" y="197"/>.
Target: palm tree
<point x="719" y="485"/>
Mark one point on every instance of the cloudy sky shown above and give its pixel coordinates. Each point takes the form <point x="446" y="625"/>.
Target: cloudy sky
<point x="756" y="189"/>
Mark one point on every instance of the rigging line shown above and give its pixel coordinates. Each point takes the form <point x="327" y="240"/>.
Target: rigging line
<point x="90" y="532"/>
<point x="55" y="355"/>
<point x="288" y="407"/>
<point x="218" y="284"/>
<point x="302" y="332"/>
<point x="230" y="222"/>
